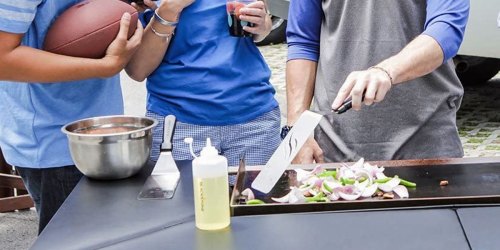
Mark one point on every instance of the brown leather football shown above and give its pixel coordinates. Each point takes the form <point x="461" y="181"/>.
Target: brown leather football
<point x="87" y="28"/>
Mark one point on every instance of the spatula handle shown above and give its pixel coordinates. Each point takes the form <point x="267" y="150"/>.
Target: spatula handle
<point x="168" y="133"/>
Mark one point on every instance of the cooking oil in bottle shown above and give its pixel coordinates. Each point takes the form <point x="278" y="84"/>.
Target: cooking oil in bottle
<point x="211" y="189"/>
<point x="211" y="203"/>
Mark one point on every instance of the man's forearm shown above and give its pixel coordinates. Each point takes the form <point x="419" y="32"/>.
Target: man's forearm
<point x="300" y="80"/>
<point x="420" y="57"/>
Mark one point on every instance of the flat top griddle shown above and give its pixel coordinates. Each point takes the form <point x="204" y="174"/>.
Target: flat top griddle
<point x="469" y="183"/>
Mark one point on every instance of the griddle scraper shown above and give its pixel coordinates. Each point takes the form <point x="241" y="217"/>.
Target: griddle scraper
<point x="286" y="151"/>
<point x="165" y="175"/>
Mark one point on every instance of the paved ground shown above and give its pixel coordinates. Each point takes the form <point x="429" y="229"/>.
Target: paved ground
<point x="478" y="121"/>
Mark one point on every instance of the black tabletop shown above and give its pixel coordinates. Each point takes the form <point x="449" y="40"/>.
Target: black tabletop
<point x="103" y="214"/>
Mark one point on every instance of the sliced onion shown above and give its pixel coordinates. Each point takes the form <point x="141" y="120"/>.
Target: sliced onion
<point x="249" y="194"/>
<point x="283" y="199"/>
<point x="401" y="191"/>
<point x="369" y="190"/>
<point x="296" y="196"/>
<point x="390" y="185"/>
<point x="334" y="196"/>
<point x="349" y="197"/>
<point x="361" y="185"/>
<point x="380" y="176"/>
<point x="318" y="169"/>
<point x="364" y="173"/>
<point x="318" y="183"/>
<point x="359" y="164"/>
<point x="302" y="174"/>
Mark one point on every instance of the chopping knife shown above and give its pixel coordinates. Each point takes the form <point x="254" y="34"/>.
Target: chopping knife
<point x="162" y="182"/>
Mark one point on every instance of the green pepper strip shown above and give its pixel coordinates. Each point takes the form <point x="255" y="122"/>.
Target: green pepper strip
<point x="347" y="181"/>
<point x="401" y="181"/>
<point x="407" y="183"/>
<point x="255" y="202"/>
<point x="383" y="180"/>
<point x="331" y="173"/>
<point x="328" y="188"/>
<point x="317" y="197"/>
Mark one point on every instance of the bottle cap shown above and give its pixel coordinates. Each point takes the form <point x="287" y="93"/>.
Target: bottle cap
<point x="209" y="150"/>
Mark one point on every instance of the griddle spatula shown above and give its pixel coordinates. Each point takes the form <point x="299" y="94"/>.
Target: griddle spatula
<point x="162" y="182"/>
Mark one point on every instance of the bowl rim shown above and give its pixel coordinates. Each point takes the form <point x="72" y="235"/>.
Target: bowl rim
<point x="65" y="131"/>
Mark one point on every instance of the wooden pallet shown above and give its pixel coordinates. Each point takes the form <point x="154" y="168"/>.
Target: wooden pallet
<point x="9" y="182"/>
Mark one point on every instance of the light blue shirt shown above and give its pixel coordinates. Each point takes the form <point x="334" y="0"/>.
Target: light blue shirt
<point x="208" y="77"/>
<point x="445" y="22"/>
<point x="32" y="114"/>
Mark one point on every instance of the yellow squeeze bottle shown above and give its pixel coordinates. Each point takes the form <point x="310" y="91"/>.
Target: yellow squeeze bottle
<point x="211" y="189"/>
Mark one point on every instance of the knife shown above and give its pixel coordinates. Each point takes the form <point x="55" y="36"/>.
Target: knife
<point x="162" y="182"/>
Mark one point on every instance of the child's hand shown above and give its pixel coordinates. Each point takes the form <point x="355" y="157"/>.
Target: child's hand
<point x="146" y="4"/>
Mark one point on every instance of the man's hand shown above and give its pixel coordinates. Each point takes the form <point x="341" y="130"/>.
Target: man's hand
<point x="256" y="13"/>
<point x="121" y="49"/>
<point x="374" y="83"/>
<point x="309" y="153"/>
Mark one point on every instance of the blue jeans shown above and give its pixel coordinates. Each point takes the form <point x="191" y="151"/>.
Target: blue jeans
<point x="48" y="188"/>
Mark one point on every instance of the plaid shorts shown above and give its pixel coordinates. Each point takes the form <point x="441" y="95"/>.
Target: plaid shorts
<point x="256" y="139"/>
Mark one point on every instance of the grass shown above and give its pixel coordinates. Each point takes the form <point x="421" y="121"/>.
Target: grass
<point x="493" y="147"/>
<point x="483" y="134"/>
<point x="465" y="128"/>
<point x="476" y="140"/>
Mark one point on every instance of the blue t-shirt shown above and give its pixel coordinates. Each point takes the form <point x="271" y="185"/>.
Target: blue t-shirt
<point x="32" y="114"/>
<point x="208" y="77"/>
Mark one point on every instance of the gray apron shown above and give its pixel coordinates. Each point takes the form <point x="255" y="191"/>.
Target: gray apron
<point x="417" y="119"/>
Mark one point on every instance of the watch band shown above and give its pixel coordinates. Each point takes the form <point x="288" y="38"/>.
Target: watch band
<point x="163" y="21"/>
<point x="285" y="130"/>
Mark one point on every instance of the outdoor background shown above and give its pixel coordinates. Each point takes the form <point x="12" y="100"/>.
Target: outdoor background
<point x="478" y="121"/>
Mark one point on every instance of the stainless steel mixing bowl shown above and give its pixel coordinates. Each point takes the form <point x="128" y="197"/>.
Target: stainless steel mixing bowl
<point x="110" y="147"/>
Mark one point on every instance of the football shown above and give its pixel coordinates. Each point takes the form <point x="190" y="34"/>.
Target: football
<point x="88" y="28"/>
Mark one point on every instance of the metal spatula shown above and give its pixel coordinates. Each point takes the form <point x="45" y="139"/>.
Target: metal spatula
<point x="165" y="175"/>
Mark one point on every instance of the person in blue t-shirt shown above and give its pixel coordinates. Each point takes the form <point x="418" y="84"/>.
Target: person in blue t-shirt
<point x="42" y="91"/>
<point x="215" y="84"/>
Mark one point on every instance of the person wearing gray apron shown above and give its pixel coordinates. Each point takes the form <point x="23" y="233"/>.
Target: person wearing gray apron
<point x="396" y="54"/>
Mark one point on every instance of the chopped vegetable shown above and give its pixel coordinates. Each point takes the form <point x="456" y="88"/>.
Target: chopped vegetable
<point x="255" y="202"/>
<point x="361" y="180"/>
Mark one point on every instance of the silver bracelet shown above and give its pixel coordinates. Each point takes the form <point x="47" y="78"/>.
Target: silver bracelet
<point x="163" y="21"/>
<point x="167" y="36"/>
